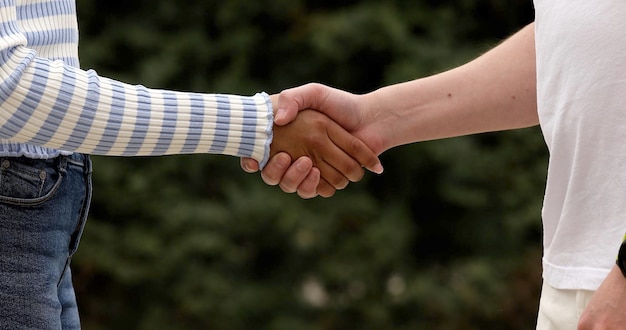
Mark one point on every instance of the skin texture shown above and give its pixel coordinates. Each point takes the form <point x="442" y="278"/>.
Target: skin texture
<point x="337" y="154"/>
<point x="496" y="91"/>
<point x="607" y="308"/>
<point x="342" y="161"/>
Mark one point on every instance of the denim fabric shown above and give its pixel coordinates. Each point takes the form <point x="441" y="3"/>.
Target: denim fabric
<point x="43" y="208"/>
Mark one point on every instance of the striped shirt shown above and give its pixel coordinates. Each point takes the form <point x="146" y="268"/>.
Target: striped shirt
<point x="48" y="106"/>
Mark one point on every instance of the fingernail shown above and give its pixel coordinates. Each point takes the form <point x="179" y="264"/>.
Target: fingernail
<point x="279" y="116"/>
<point x="378" y="169"/>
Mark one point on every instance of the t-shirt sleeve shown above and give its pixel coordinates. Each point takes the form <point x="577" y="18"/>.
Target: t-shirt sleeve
<point x="51" y="104"/>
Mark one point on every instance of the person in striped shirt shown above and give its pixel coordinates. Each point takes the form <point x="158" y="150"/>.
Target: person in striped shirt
<point x="53" y="114"/>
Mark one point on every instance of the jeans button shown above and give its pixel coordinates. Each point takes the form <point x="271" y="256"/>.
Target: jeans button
<point x="5" y="164"/>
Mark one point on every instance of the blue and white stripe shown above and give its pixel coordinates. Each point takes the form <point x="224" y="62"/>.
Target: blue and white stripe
<point x="47" y="104"/>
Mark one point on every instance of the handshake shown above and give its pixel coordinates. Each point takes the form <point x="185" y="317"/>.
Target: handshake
<point x="323" y="138"/>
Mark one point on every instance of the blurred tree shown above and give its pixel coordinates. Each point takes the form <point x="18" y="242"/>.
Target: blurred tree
<point x="447" y="238"/>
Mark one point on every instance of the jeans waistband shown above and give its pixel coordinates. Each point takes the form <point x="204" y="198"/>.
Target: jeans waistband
<point x="60" y="162"/>
<point x="76" y="159"/>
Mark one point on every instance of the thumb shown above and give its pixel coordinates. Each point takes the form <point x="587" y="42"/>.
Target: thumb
<point x="287" y="110"/>
<point x="293" y="100"/>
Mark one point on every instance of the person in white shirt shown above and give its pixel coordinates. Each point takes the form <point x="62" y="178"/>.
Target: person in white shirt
<point x="564" y="72"/>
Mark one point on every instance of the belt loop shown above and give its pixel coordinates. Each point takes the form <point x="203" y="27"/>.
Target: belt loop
<point x="88" y="167"/>
<point x="63" y="164"/>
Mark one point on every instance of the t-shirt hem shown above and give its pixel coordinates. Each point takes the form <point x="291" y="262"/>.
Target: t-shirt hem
<point x="573" y="278"/>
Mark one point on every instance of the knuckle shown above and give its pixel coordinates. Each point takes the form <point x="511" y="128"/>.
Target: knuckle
<point x="357" y="174"/>
<point x="355" y="146"/>
<point x="324" y="189"/>
<point x="268" y="178"/>
<point x="338" y="181"/>
<point x="360" y="150"/>
<point x="287" y="188"/>
<point x="352" y="170"/>
<point x="315" y="143"/>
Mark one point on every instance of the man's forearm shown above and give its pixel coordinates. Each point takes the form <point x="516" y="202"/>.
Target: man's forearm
<point x="496" y="91"/>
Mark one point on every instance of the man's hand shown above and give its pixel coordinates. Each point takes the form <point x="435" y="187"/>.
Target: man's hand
<point x="607" y="308"/>
<point x="336" y="153"/>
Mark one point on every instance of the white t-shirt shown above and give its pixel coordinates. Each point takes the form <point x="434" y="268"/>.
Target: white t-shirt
<point x="581" y="82"/>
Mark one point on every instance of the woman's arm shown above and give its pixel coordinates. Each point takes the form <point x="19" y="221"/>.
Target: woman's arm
<point x="52" y="104"/>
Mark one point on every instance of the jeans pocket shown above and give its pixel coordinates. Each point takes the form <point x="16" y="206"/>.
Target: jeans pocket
<point x="28" y="181"/>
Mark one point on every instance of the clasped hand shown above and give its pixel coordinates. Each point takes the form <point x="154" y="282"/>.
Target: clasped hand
<point x="312" y="154"/>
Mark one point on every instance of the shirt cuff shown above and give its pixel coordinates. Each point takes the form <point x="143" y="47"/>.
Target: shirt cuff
<point x="268" y="130"/>
<point x="251" y="122"/>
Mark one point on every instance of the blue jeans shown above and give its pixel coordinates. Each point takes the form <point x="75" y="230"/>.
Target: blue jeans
<point x="43" y="208"/>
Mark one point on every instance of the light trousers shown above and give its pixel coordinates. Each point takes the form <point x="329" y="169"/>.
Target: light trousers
<point x="561" y="309"/>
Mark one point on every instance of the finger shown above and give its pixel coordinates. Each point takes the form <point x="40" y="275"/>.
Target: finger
<point x="324" y="189"/>
<point x="293" y="100"/>
<point x="275" y="169"/>
<point x="330" y="174"/>
<point x="296" y="174"/>
<point x="308" y="188"/>
<point x="340" y="159"/>
<point x="325" y="152"/>
<point x="360" y="154"/>
<point x="249" y="165"/>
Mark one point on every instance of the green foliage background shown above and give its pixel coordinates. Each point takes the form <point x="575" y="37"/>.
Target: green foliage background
<point x="447" y="238"/>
